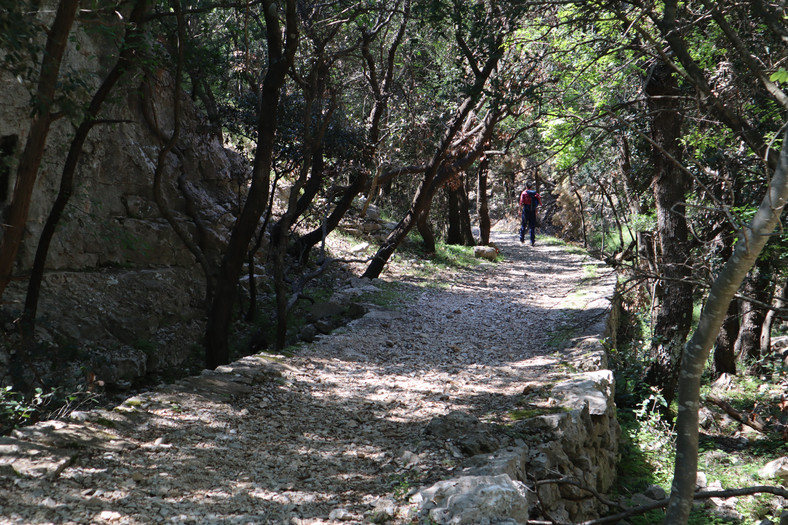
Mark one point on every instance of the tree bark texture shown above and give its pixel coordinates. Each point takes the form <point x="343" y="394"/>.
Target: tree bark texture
<point x="30" y="161"/>
<point x="756" y="286"/>
<point x="724" y="359"/>
<point x="752" y="240"/>
<point x="674" y="313"/>
<point x="460" y="231"/>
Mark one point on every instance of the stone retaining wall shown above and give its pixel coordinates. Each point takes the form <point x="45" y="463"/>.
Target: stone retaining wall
<point x="558" y="457"/>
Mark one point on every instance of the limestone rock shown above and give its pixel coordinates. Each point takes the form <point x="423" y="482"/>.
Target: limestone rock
<point x="19" y="458"/>
<point x="99" y="286"/>
<point x="308" y="333"/>
<point x="655" y="492"/>
<point x="485" y="252"/>
<point x="776" y="469"/>
<point x="474" y="500"/>
<point x="701" y="481"/>
<point x="592" y="388"/>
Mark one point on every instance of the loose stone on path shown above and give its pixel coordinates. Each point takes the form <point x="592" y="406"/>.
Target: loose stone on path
<point x="345" y="431"/>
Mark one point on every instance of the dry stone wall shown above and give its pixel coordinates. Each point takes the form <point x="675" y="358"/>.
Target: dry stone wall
<point x="558" y="458"/>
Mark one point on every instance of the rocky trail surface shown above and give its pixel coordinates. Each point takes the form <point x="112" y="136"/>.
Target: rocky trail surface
<point x="344" y="431"/>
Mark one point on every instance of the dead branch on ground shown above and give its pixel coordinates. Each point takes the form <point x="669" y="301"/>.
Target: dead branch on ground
<point x="659" y="504"/>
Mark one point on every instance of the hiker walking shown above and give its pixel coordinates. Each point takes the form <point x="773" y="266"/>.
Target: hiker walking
<point x="529" y="200"/>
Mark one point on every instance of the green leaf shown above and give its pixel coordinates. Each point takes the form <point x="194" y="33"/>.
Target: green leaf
<point x="781" y="75"/>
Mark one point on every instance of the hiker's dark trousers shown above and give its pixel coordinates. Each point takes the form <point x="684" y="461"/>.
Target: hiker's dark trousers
<point x="529" y="221"/>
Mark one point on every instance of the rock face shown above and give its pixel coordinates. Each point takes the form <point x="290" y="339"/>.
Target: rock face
<point x="118" y="277"/>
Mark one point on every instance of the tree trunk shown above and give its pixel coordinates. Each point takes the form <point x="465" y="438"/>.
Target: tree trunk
<point x="381" y="91"/>
<point x="766" y="331"/>
<point x="280" y="59"/>
<point x="752" y="240"/>
<point x="724" y="358"/>
<point x="724" y="352"/>
<point x="757" y="286"/>
<point x="465" y="217"/>
<point x="619" y="228"/>
<point x="454" y="229"/>
<point x="674" y="315"/>
<point x="30" y="161"/>
<point x="460" y="231"/>
<point x="483" y="209"/>
<point x="425" y="228"/>
<point x="582" y="215"/>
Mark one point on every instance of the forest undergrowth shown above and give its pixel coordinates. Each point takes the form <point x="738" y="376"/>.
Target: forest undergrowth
<point x="731" y="451"/>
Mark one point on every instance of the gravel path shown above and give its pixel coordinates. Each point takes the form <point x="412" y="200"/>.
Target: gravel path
<point x="339" y="435"/>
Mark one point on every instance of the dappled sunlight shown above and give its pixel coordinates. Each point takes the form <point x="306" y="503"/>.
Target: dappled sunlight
<point x="345" y="424"/>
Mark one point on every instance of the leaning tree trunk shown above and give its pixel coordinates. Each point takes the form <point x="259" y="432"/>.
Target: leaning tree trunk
<point x="304" y="244"/>
<point x="674" y="315"/>
<point x="483" y="209"/>
<point x="752" y="240"/>
<point x="397" y="235"/>
<point x="30" y="161"/>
